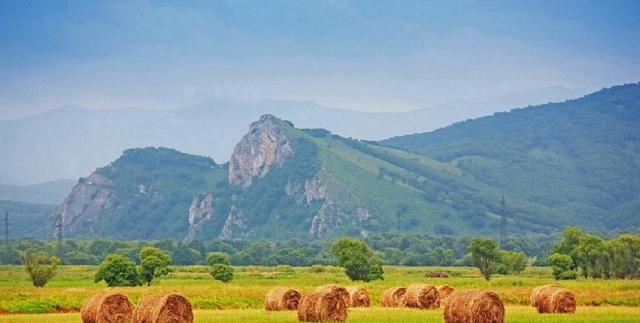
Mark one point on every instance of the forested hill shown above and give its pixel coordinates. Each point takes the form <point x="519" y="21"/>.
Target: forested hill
<point x="581" y="158"/>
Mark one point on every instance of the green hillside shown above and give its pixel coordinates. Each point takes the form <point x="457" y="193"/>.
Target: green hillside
<point x="26" y="219"/>
<point x="577" y="162"/>
<point x="572" y="163"/>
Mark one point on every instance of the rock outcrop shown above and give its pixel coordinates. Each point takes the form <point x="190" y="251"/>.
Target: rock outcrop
<point x="235" y="226"/>
<point x="200" y="212"/>
<point x="82" y="207"/>
<point x="265" y="145"/>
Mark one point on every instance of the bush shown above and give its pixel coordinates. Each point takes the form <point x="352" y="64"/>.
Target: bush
<point x="216" y="258"/>
<point x="562" y="267"/>
<point x="40" y="266"/>
<point x="511" y="262"/>
<point x="222" y="272"/>
<point x="358" y="260"/>
<point x="118" y="270"/>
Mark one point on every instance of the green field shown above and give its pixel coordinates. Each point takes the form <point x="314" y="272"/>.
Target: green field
<point x="241" y="299"/>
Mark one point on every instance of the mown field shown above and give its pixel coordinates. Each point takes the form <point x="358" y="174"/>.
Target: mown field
<point x="241" y="299"/>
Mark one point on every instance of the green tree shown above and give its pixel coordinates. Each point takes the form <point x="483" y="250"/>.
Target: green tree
<point x="511" y="262"/>
<point x="358" y="260"/>
<point x="118" y="270"/>
<point x="40" y="266"/>
<point x="222" y="272"/>
<point x="625" y="252"/>
<point x="154" y="263"/>
<point x="562" y="266"/>
<point x="215" y="258"/>
<point x="484" y="255"/>
<point x="591" y="253"/>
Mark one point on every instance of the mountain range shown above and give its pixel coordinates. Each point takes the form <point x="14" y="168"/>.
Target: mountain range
<point x="71" y="141"/>
<point x="570" y="163"/>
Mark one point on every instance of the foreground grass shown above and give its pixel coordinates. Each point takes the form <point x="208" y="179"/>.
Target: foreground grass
<point x="74" y="284"/>
<point x="374" y="314"/>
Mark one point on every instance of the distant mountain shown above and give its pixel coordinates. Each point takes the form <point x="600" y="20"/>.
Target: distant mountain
<point x="579" y="158"/>
<point x="281" y="182"/>
<point x="70" y="141"/>
<point x="571" y="163"/>
<point x="43" y="193"/>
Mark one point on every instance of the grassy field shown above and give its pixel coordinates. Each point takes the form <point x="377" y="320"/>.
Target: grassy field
<point x="598" y="300"/>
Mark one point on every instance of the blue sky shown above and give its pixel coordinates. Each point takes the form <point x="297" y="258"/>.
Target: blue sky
<point x="361" y="55"/>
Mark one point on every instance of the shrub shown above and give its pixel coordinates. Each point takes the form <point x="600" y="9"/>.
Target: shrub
<point x="562" y="266"/>
<point x="511" y="262"/>
<point x="222" y="272"/>
<point x="40" y="266"/>
<point x="358" y="260"/>
<point x="118" y="270"/>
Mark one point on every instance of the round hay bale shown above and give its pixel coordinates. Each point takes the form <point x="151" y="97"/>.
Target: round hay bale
<point x="534" y="294"/>
<point x="332" y="288"/>
<point x="437" y="274"/>
<point x="358" y="297"/>
<point x="107" y="308"/>
<point x="393" y="296"/>
<point x="443" y="292"/>
<point x="553" y="299"/>
<point x="421" y="296"/>
<point x="172" y="308"/>
<point x="473" y="306"/>
<point x="281" y="299"/>
<point x="321" y="306"/>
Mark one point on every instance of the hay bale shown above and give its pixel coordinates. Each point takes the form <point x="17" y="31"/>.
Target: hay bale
<point x="437" y="274"/>
<point x="358" y="297"/>
<point x="107" y="308"/>
<point x="281" y="299"/>
<point x="393" y="296"/>
<point x="473" y="306"/>
<point x="171" y="308"/>
<point x="333" y="288"/>
<point x="534" y="293"/>
<point x="553" y="299"/>
<point x="444" y="291"/>
<point x="421" y="296"/>
<point x="322" y="306"/>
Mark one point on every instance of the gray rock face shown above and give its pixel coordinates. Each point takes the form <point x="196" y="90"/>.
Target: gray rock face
<point x="265" y="145"/>
<point x="200" y="212"/>
<point x="84" y="204"/>
<point x="235" y="226"/>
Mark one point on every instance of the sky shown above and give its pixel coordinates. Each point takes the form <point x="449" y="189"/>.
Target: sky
<point x="362" y="55"/>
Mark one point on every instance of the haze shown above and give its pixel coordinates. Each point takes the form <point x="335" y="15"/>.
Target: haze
<point x="358" y="55"/>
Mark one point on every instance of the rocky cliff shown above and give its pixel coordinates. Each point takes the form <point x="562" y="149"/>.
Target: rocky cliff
<point x="265" y="145"/>
<point x="82" y="207"/>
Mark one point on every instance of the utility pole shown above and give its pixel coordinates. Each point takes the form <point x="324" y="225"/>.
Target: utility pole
<point x="60" y="227"/>
<point x="6" y="228"/>
<point x="503" y="224"/>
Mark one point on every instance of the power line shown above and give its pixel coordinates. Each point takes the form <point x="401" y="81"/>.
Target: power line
<point x="6" y="228"/>
<point x="503" y="224"/>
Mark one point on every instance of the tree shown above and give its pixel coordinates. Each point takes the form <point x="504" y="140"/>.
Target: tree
<point x="215" y="258"/>
<point x="154" y="263"/>
<point x="562" y="266"/>
<point x="118" y="270"/>
<point x="484" y="255"/>
<point x="511" y="262"/>
<point x="40" y="266"/>
<point x="222" y="272"/>
<point x="358" y="260"/>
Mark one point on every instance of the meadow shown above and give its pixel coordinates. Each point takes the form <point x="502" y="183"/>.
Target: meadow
<point x="241" y="299"/>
